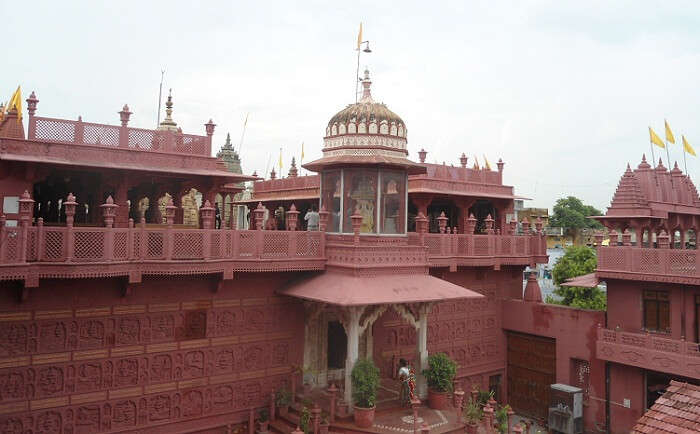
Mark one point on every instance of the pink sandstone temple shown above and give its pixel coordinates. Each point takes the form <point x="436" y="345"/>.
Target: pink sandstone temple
<point x="128" y="306"/>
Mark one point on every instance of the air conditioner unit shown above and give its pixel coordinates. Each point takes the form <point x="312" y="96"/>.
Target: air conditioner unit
<point x="566" y="409"/>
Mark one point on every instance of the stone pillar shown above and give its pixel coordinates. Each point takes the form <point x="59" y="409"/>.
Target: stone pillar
<point x="332" y="391"/>
<point x="356" y="219"/>
<point x="442" y="222"/>
<point x="259" y="215"/>
<point x="206" y="216"/>
<point x="471" y="225"/>
<point x="422" y="351"/>
<point x="292" y="218"/>
<point x="352" y="329"/>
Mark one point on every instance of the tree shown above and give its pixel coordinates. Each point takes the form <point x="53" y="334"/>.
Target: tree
<point x="577" y="261"/>
<point x="571" y="214"/>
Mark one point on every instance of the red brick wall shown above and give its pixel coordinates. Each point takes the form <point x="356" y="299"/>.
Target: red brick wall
<point x="77" y="357"/>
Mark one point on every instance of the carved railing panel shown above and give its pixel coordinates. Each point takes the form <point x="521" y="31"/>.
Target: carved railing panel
<point x="665" y="265"/>
<point x="649" y="351"/>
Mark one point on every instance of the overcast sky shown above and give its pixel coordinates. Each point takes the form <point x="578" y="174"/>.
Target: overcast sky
<point x="563" y="92"/>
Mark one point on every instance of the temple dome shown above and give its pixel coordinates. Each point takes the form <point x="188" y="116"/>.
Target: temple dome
<point x="367" y="117"/>
<point x="365" y="133"/>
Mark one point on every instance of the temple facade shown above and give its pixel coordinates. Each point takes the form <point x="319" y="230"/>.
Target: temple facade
<point x="126" y="305"/>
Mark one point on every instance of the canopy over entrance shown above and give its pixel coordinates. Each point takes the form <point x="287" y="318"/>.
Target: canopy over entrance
<point x="351" y="290"/>
<point x="357" y="301"/>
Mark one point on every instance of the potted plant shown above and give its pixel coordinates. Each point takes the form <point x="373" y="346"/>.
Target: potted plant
<point x="324" y="425"/>
<point x="502" y="418"/>
<point x="365" y="381"/>
<point x="472" y="414"/>
<point x="283" y="398"/>
<point x="440" y="375"/>
<point x="263" y="420"/>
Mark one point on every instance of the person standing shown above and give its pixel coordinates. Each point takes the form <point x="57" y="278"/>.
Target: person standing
<point x="312" y="219"/>
<point x="217" y="216"/>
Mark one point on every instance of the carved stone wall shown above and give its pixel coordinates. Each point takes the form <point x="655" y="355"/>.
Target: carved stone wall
<point x="78" y="358"/>
<point x="469" y="331"/>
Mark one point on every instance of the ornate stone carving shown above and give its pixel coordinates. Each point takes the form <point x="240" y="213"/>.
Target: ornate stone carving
<point x="87" y="419"/>
<point x="127" y="373"/>
<point x="128" y="331"/>
<point x="124" y="414"/>
<point x="52" y="337"/>
<point x="162" y="328"/>
<point x="13" y="339"/>
<point x="51" y="380"/>
<point x="92" y="333"/>
<point x="89" y="377"/>
<point x="159" y="408"/>
<point x="193" y="364"/>
<point x="161" y="368"/>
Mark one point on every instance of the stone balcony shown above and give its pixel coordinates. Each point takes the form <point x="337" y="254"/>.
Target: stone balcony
<point x="649" y="351"/>
<point x="649" y="264"/>
<point x="482" y="250"/>
<point x="30" y="253"/>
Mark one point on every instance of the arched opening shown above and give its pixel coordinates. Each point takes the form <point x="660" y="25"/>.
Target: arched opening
<point x="691" y="239"/>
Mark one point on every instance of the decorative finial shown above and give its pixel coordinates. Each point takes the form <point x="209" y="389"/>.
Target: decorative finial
<point x="168" y="123"/>
<point x="293" y="172"/>
<point x="644" y="164"/>
<point x="366" y="92"/>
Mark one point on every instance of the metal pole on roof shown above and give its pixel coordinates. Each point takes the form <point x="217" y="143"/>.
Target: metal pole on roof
<point x="160" y="95"/>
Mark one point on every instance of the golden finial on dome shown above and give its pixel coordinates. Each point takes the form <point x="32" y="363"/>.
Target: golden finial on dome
<point x="168" y="123"/>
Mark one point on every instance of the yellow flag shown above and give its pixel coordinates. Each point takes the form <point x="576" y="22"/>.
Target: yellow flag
<point x="669" y="134"/>
<point x="359" y="37"/>
<point x="302" y="151"/>
<point x="655" y="139"/>
<point x="686" y="146"/>
<point x="16" y="103"/>
<point x="488" y="166"/>
<point x="476" y="163"/>
<point x="280" y="158"/>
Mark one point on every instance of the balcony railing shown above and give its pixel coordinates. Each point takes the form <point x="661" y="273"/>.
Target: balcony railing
<point x="660" y="264"/>
<point x="649" y="351"/>
<point x="482" y="250"/>
<point x="113" y="136"/>
<point x="43" y="251"/>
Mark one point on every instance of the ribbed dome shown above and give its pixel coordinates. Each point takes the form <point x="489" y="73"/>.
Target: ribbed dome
<point x="366" y="112"/>
<point x="366" y="117"/>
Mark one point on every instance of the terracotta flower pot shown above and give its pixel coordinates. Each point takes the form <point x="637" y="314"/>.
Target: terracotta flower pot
<point x="472" y="427"/>
<point x="364" y="417"/>
<point x="437" y="400"/>
<point x="263" y="426"/>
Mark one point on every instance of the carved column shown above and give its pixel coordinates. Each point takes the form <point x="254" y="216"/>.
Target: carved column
<point x="352" y="329"/>
<point x="422" y="348"/>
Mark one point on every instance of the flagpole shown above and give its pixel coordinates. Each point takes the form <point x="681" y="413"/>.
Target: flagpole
<point x="685" y="163"/>
<point x="245" y="124"/>
<point x="668" y="158"/>
<point x="160" y="95"/>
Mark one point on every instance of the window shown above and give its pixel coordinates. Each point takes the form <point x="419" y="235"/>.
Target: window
<point x="495" y="386"/>
<point x="657" y="311"/>
<point x="360" y="196"/>
<point x="393" y="202"/>
<point x="330" y="198"/>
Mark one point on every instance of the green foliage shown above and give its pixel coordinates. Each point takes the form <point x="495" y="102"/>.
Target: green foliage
<point x="365" y="381"/>
<point x="304" y="420"/>
<point x="283" y="397"/>
<point x="577" y="261"/>
<point x="570" y="213"/>
<point x="501" y="415"/>
<point x="263" y="415"/>
<point x="473" y="412"/>
<point x="483" y="397"/>
<point x="441" y="372"/>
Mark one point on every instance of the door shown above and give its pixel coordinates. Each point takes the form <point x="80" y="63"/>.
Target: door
<point x="531" y="370"/>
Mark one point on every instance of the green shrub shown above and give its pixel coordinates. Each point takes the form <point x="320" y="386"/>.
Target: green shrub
<point x="473" y="412"/>
<point x="365" y="381"/>
<point x="441" y="372"/>
<point x="283" y="397"/>
<point x="502" y="418"/>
